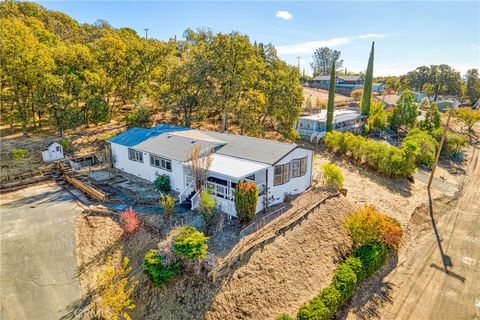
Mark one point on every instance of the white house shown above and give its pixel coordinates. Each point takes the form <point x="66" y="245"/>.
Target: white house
<point x="53" y="152"/>
<point x="313" y="127"/>
<point x="280" y="168"/>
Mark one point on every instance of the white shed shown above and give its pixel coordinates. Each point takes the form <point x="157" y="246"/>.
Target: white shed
<point x="53" y="152"/>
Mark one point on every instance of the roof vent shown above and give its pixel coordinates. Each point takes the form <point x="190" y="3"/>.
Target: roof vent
<point x="169" y="136"/>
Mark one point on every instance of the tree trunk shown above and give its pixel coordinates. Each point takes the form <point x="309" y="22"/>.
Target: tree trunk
<point x="225" y="121"/>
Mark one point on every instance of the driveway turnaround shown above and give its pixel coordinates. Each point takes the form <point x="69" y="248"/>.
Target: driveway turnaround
<point x="37" y="246"/>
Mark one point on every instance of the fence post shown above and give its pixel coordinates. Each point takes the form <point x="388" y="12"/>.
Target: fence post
<point x="214" y="275"/>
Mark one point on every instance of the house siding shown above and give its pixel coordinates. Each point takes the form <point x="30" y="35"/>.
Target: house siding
<point x="295" y="185"/>
<point x="144" y="169"/>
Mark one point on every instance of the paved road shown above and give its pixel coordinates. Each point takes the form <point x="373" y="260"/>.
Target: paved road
<point x="37" y="262"/>
<point x="430" y="292"/>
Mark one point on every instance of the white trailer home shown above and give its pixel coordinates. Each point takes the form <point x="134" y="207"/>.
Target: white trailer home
<point x="280" y="168"/>
<point x="314" y="127"/>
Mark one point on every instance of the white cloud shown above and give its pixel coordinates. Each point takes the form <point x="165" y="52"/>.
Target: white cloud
<point x="372" y="35"/>
<point x="285" y="15"/>
<point x="311" y="46"/>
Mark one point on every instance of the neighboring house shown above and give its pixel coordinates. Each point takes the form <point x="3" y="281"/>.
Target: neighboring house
<point x="343" y="84"/>
<point x="390" y="100"/>
<point x="53" y="152"/>
<point x="445" y="102"/>
<point x="281" y="168"/>
<point x="313" y="127"/>
<point x="378" y="87"/>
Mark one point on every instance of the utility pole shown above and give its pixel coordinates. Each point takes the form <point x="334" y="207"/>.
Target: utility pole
<point x="146" y="33"/>
<point x="442" y="141"/>
<point x="298" y="63"/>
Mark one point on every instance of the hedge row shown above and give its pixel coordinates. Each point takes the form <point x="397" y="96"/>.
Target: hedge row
<point x="426" y="143"/>
<point x="386" y="159"/>
<point x="364" y="261"/>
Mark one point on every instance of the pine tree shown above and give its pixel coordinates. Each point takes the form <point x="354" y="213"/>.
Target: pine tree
<point x="331" y="97"/>
<point x="367" y="87"/>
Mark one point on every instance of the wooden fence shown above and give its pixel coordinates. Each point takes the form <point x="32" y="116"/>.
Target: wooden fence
<point x="92" y="192"/>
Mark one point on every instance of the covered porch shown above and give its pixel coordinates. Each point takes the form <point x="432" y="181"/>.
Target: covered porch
<point x="223" y="176"/>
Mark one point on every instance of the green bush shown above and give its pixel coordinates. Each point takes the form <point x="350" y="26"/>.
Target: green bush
<point x="157" y="269"/>
<point x="386" y="159"/>
<point x="372" y="256"/>
<point x="426" y="146"/>
<point x="168" y="204"/>
<point x="208" y="210"/>
<point x="245" y="198"/>
<point x="284" y="316"/>
<point x="65" y="144"/>
<point x="331" y="299"/>
<point x="453" y="144"/>
<point x="162" y="183"/>
<point x="314" y="309"/>
<point x="190" y="244"/>
<point x="345" y="281"/>
<point x="18" y="153"/>
<point x="332" y="176"/>
<point x="356" y="265"/>
<point x="362" y="264"/>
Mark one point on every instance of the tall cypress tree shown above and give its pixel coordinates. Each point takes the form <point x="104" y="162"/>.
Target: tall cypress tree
<point x="367" y="87"/>
<point x="331" y="98"/>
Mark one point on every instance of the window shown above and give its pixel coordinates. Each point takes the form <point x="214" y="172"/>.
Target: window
<point x="281" y="174"/>
<point x="161" y="163"/>
<point x="303" y="166"/>
<point x="295" y="168"/>
<point x="58" y="149"/>
<point x="299" y="167"/>
<point x="135" y="155"/>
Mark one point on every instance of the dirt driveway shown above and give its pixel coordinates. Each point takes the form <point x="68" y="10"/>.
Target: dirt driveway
<point x="38" y="265"/>
<point x="444" y="282"/>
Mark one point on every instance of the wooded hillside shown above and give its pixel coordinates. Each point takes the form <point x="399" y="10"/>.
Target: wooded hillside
<point x="54" y="70"/>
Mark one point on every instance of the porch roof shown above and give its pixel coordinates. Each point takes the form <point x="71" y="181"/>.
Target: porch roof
<point x="234" y="167"/>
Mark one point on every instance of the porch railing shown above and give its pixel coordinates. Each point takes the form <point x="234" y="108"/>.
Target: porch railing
<point x="186" y="192"/>
<point x="220" y="190"/>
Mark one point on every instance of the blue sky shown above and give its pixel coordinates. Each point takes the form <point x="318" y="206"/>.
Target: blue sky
<point x="406" y="34"/>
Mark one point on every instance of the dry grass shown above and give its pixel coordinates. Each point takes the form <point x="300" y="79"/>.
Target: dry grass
<point x="313" y="94"/>
<point x="278" y="278"/>
<point x="289" y="271"/>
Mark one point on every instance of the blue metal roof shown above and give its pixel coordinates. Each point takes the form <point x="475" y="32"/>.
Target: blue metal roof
<point x="135" y="136"/>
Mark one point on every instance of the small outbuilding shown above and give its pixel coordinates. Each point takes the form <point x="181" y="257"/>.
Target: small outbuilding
<point x="53" y="152"/>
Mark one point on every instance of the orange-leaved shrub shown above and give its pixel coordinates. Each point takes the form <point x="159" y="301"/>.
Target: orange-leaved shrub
<point x="367" y="224"/>
<point x="129" y="221"/>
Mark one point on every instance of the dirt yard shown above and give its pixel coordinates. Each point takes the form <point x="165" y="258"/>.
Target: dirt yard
<point x="322" y="95"/>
